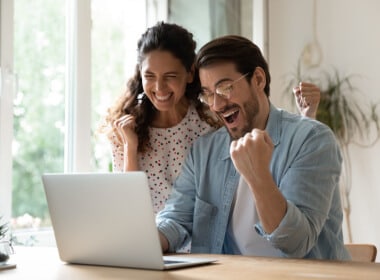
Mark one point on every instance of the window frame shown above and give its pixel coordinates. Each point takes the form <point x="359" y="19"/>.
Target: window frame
<point x="77" y="155"/>
<point x="7" y="92"/>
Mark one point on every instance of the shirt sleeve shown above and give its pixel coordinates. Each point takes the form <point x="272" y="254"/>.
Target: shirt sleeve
<point x="310" y="184"/>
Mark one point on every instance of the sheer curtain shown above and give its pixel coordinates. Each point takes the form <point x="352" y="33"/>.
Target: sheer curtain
<point x="225" y="17"/>
<point x="213" y="18"/>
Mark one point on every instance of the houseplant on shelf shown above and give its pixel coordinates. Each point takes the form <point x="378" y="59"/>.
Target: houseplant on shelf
<point x="5" y="245"/>
<point x="344" y="109"/>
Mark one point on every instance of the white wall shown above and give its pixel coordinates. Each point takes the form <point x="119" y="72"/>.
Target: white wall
<point x="348" y="31"/>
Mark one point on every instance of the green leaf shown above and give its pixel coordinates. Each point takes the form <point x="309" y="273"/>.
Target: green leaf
<point x="342" y="106"/>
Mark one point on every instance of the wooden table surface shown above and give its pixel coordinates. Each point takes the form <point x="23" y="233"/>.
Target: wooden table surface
<point x="43" y="263"/>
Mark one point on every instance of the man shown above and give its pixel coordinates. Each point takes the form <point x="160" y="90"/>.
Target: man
<point x="266" y="183"/>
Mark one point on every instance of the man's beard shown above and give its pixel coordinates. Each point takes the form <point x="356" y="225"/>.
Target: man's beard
<point x="251" y="111"/>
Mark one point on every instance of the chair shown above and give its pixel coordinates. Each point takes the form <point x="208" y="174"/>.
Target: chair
<point x="362" y="252"/>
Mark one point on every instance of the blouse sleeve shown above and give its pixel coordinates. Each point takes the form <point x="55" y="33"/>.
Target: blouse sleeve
<point x="117" y="154"/>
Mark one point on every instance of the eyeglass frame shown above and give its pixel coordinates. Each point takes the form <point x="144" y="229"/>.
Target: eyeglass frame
<point x="218" y="89"/>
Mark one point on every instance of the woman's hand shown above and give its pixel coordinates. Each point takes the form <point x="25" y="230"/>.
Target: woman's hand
<point x="307" y="97"/>
<point x="126" y="129"/>
<point x="126" y="133"/>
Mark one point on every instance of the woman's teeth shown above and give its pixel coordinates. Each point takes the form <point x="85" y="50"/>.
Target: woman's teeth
<point x="163" y="98"/>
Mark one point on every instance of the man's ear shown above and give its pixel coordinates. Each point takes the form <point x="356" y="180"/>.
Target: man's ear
<point x="259" y="77"/>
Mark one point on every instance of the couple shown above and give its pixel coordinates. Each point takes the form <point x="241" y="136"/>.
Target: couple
<point x="264" y="183"/>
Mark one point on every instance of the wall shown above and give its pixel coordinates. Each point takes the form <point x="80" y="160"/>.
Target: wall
<point x="349" y="36"/>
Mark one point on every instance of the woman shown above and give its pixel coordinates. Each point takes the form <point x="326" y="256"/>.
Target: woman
<point x="156" y="120"/>
<point x="159" y="116"/>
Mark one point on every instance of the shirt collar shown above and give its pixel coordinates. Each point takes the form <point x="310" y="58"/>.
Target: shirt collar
<point x="274" y="124"/>
<point x="273" y="128"/>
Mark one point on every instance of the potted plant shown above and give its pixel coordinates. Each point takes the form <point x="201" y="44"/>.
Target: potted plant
<point x="5" y="246"/>
<point x="344" y="109"/>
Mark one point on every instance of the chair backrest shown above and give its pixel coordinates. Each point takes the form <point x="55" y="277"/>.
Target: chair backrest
<point x="362" y="252"/>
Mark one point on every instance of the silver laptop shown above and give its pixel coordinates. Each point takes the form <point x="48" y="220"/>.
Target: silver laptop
<point x="107" y="219"/>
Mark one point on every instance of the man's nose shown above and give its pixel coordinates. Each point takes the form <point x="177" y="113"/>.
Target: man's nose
<point x="219" y="102"/>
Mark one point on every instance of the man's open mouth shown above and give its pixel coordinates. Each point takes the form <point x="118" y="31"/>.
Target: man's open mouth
<point x="231" y="116"/>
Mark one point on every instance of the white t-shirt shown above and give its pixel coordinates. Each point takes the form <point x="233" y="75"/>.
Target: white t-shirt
<point x="241" y="228"/>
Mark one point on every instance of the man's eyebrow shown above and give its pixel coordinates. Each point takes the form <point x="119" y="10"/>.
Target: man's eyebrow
<point x="218" y="83"/>
<point x="223" y="80"/>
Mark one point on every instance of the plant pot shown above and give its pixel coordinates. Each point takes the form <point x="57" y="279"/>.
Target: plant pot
<point x="5" y="251"/>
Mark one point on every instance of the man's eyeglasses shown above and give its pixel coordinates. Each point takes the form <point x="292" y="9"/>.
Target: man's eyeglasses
<point x="223" y="90"/>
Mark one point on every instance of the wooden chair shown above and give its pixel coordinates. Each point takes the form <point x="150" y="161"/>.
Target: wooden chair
<point x="362" y="252"/>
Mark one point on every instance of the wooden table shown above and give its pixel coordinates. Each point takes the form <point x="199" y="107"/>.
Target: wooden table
<point x="43" y="263"/>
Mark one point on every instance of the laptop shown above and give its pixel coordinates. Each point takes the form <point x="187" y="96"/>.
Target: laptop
<point x="107" y="219"/>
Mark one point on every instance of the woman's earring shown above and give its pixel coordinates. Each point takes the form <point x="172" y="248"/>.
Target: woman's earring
<point x="141" y="97"/>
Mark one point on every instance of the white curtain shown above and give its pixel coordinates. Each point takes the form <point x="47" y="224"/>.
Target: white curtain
<point x="225" y="17"/>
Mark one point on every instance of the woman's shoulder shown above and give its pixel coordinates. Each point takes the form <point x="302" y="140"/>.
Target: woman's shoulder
<point x="214" y="136"/>
<point x="194" y="118"/>
<point x="205" y="116"/>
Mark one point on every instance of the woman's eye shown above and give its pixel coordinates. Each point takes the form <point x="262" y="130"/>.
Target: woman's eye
<point x="148" y="77"/>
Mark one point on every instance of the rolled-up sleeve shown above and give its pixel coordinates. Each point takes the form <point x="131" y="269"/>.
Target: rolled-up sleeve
<point x="308" y="178"/>
<point x="288" y="234"/>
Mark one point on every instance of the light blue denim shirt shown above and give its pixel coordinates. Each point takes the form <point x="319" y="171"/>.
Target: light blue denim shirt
<point x="305" y="165"/>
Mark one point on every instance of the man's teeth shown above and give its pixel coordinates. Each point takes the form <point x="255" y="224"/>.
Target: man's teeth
<point x="229" y="114"/>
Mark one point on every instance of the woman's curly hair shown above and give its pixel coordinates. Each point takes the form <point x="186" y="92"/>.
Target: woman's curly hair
<point x="164" y="37"/>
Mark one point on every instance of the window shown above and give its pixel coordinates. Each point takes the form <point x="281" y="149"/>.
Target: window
<point x="116" y="27"/>
<point x="39" y="106"/>
<point x="62" y="64"/>
<point x="55" y="44"/>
